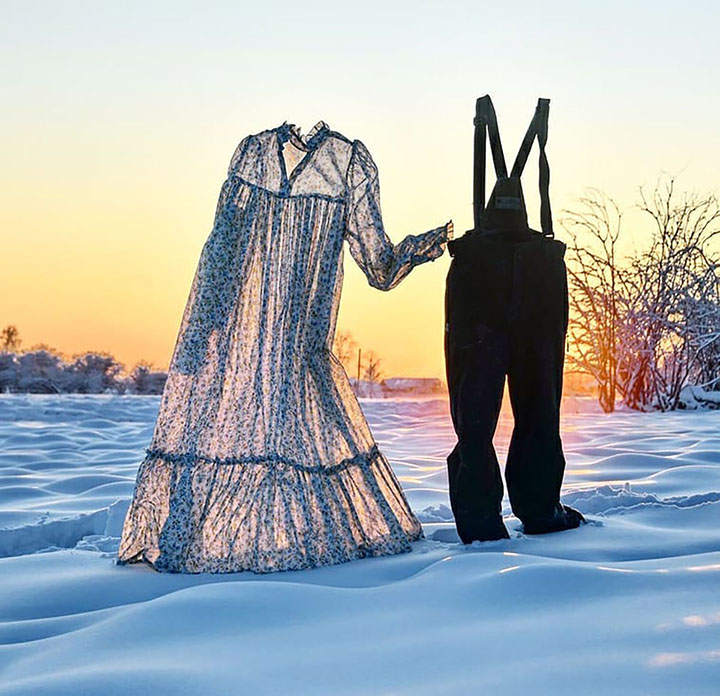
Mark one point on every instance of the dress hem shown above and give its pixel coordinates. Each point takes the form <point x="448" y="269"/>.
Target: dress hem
<point x="265" y="518"/>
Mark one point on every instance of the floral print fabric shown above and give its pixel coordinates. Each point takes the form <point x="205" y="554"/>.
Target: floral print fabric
<point x="261" y="458"/>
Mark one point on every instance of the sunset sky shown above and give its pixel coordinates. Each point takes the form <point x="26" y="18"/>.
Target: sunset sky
<point x="119" y="120"/>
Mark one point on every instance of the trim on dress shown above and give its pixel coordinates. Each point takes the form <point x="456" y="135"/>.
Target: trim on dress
<point x="271" y="458"/>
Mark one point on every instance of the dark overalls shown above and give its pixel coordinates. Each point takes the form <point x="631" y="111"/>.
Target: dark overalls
<point x="506" y="313"/>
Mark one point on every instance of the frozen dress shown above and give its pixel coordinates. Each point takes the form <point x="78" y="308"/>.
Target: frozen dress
<point x="261" y="458"/>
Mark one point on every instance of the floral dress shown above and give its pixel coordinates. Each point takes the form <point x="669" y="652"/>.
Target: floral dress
<point x="261" y="458"/>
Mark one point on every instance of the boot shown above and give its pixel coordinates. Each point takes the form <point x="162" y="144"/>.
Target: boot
<point x="481" y="528"/>
<point x="563" y="517"/>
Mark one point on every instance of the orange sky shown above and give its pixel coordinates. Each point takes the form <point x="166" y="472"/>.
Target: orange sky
<point x="119" y="123"/>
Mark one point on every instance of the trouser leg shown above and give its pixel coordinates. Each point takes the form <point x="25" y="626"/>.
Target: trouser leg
<point x="535" y="463"/>
<point x="477" y="356"/>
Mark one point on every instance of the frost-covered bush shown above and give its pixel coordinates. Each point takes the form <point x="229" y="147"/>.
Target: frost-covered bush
<point x="8" y="372"/>
<point x="692" y="397"/>
<point x="144" y="380"/>
<point x="93" y="373"/>
<point x="43" y="370"/>
<point x="40" y="371"/>
<point x="648" y="325"/>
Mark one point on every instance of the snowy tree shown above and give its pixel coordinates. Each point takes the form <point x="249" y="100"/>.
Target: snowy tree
<point x="706" y="374"/>
<point x="596" y="286"/>
<point x="677" y="295"/>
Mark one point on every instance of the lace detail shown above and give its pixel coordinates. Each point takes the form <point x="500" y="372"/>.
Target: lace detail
<point x="384" y="264"/>
<point x="261" y="458"/>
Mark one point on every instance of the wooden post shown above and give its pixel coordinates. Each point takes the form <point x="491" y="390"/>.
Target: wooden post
<point x="357" y="383"/>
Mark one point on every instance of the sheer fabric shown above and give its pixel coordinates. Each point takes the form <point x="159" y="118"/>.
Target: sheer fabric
<point x="261" y="458"/>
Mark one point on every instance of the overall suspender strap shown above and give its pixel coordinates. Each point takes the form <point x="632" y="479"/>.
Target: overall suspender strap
<point x="538" y="127"/>
<point x="485" y="123"/>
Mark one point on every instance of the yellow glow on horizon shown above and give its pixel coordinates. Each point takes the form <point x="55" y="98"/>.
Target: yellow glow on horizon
<point x="101" y="258"/>
<point x="114" y="158"/>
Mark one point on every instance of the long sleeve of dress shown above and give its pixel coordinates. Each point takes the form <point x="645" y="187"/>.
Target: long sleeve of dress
<point x="384" y="264"/>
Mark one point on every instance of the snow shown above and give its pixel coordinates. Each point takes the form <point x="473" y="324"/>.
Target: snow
<point x="628" y="604"/>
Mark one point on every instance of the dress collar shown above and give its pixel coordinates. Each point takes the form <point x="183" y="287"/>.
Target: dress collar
<point x="289" y="131"/>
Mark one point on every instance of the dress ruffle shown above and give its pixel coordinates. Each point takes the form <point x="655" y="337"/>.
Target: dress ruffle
<point x="263" y="515"/>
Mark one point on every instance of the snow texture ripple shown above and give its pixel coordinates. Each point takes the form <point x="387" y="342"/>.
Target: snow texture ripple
<point x="628" y="604"/>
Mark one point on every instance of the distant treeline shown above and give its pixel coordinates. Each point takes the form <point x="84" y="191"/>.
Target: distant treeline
<point x="644" y="326"/>
<point x="42" y="370"/>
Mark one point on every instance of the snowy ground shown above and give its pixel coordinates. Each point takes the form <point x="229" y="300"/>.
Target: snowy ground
<point x="629" y="604"/>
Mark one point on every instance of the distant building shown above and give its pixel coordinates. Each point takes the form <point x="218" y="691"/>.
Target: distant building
<point x="366" y="388"/>
<point x="412" y="385"/>
<point x="399" y="386"/>
<point x="416" y="385"/>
